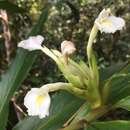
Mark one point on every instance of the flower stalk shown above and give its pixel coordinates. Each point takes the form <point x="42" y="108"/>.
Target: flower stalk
<point x="56" y="86"/>
<point x="94" y="81"/>
<point x="91" y="116"/>
<point x="92" y="37"/>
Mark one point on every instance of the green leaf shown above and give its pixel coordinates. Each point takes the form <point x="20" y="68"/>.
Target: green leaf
<point x="124" y="103"/>
<point x="17" y="72"/>
<point x="10" y="7"/>
<point x="106" y="90"/>
<point x="3" y="116"/>
<point x="119" y="88"/>
<point x="64" y="105"/>
<point x="82" y="112"/>
<point x="110" y="125"/>
<point x="106" y="73"/>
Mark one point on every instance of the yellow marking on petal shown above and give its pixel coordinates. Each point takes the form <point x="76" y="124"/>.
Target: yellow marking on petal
<point x="105" y="21"/>
<point x="39" y="99"/>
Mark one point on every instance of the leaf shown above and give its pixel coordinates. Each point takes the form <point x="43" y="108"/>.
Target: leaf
<point x="119" y="88"/>
<point x="106" y="90"/>
<point x="64" y="105"/>
<point x="106" y="73"/>
<point x="3" y="116"/>
<point x="124" y="103"/>
<point x="17" y="72"/>
<point x="110" y="125"/>
<point x="82" y="112"/>
<point x="10" y="7"/>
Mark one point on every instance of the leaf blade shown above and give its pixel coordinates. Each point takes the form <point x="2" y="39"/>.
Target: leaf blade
<point x="110" y="125"/>
<point x="17" y="72"/>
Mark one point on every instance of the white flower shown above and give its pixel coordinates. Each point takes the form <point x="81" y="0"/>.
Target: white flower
<point x="37" y="101"/>
<point x="32" y="43"/>
<point x="108" y="23"/>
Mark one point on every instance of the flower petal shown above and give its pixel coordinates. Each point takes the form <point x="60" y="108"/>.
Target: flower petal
<point x="29" y="102"/>
<point x="37" y="101"/>
<point x="44" y="107"/>
<point x="118" y="22"/>
<point x="32" y="43"/>
<point x="108" y="23"/>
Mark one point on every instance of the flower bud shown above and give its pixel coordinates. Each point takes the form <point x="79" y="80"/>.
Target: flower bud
<point x="67" y="49"/>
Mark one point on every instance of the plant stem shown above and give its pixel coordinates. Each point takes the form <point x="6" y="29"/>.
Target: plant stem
<point x="96" y="113"/>
<point x="93" y="115"/>
<point x="49" y="53"/>
<point x="94" y="81"/>
<point x="75" y="126"/>
<point x="56" y="86"/>
<point x="92" y="37"/>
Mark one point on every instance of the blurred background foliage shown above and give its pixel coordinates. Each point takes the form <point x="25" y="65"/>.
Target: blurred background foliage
<point x="68" y="20"/>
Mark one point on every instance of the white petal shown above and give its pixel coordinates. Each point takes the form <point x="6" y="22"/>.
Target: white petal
<point x="35" y="106"/>
<point x="108" y="23"/>
<point x="44" y="107"/>
<point x="118" y="22"/>
<point x="104" y="13"/>
<point x="32" y="43"/>
<point x="106" y="27"/>
<point x="29" y="101"/>
<point x="30" y="96"/>
<point x="36" y="39"/>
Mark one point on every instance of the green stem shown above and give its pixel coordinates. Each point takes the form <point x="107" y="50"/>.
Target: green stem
<point x="56" y="86"/>
<point x="49" y="53"/>
<point x="64" y="86"/>
<point x="75" y="126"/>
<point x="96" y="113"/>
<point x="78" y="92"/>
<point x="94" y="81"/>
<point x="92" y="37"/>
<point x="93" y="115"/>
